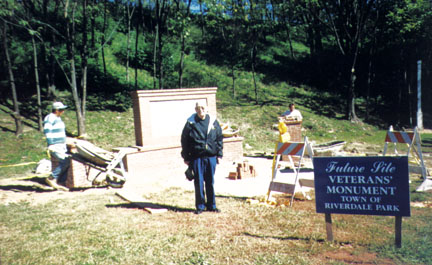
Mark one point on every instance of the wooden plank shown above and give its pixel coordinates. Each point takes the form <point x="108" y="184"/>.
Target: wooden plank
<point x="398" y="231"/>
<point x="307" y="183"/>
<point x="329" y="227"/>
<point x="138" y="201"/>
<point x="282" y="187"/>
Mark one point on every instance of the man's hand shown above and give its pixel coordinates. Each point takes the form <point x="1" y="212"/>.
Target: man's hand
<point x="186" y="162"/>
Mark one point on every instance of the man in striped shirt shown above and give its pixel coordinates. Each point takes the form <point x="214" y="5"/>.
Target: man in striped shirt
<point x="55" y="133"/>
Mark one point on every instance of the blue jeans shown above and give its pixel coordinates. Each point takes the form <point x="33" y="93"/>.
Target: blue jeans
<point x="204" y="169"/>
<point x="60" y="172"/>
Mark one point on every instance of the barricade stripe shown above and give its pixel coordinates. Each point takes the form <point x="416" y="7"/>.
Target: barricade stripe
<point x="281" y="147"/>
<point x="284" y="148"/>
<point x="408" y="137"/>
<point x="399" y="137"/>
<point x="290" y="148"/>
<point x="298" y="150"/>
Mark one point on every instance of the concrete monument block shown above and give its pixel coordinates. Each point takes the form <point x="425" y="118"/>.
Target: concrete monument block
<point x="159" y="115"/>
<point x="159" y="118"/>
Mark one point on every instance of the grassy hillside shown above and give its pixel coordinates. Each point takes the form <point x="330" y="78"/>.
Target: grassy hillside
<point x="254" y="112"/>
<point x="109" y="129"/>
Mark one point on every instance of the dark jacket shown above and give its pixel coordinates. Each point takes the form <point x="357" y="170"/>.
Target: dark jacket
<point x="196" y="143"/>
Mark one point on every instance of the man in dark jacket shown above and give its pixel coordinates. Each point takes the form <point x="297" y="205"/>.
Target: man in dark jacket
<point x="202" y="144"/>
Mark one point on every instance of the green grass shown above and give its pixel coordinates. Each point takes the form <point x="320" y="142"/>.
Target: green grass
<point x="95" y="229"/>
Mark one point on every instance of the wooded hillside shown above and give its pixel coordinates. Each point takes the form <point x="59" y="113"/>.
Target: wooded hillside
<point x="91" y="53"/>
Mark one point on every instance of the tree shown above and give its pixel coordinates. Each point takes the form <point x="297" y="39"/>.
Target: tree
<point x="84" y="62"/>
<point x="347" y="21"/>
<point x="409" y="23"/>
<point x="103" y="36"/>
<point x="70" y="46"/>
<point x="182" y="20"/>
<point x="161" y="12"/>
<point x="129" y="18"/>
<point x="255" y="29"/>
<point x="16" y="114"/>
<point x="38" y="90"/>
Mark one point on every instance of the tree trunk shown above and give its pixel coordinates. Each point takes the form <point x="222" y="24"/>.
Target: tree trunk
<point x="70" y="44"/>
<point x="47" y="54"/>
<point x="160" y="60"/>
<point x="92" y="26"/>
<point x="155" y="61"/>
<point x="368" y="85"/>
<point x="103" y="38"/>
<point x="183" y="45"/>
<point x="129" y="17"/>
<point x="181" y="64"/>
<point x="233" y="81"/>
<point x="84" y="60"/>
<point x="52" y="90"/>
<point x="136" y="52"/>
<point x="38" y="91"/>
<point x="253" y="59"/>
<point x="352" y="116"/>
<point x="202" y="20"/>
<point x="352" y="113"/>
<point x="16" y="114"/>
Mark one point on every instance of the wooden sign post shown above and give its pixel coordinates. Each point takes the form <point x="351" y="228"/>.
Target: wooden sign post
<point x="362" y="185"/>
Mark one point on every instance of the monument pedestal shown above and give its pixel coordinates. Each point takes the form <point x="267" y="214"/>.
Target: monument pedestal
<point x="294" y="129"/>
<point x="159" y="162"/>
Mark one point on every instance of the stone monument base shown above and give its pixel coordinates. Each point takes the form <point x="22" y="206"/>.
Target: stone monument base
<point x="153" y="163"/>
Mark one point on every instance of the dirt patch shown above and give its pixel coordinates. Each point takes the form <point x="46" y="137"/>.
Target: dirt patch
<point x="34" y="192"/>
<point x="426" y="204"/>
<point x="349" y="257"/>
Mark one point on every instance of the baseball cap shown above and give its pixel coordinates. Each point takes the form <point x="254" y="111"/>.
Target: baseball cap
<point x="58" y="105"/>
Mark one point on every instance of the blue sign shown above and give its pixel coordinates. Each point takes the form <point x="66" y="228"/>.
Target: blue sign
<point x="362" y="185"/>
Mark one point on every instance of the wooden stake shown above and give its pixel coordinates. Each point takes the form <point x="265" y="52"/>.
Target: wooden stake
<point x="329" y="228"/>
<point x="398" y="231"/>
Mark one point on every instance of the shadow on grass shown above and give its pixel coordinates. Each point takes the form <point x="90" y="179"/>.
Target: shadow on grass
<point x="143" y="205"/>
<point x="4" y="129"/>
<point x="260" y="155"/>
<point x="239" y="198"/>
<point x="35" y="184"/>
<point x="284" y="238"/>
<point x="427" y="143"/>
<point x="307" y="239"/>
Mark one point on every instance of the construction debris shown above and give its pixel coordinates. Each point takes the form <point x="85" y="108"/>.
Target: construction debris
<point x="228" y="131"/>
<point x="243" y="171"/>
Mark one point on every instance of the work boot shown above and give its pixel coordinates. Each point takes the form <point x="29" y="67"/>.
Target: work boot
<point x="52" y="183"/>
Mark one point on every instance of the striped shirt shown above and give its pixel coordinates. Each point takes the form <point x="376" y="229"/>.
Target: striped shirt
<point x="54" y="129"/>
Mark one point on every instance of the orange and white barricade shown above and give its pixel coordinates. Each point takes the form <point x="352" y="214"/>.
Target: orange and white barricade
<point x="290" y="149"/>
<point x="412" y="140"/>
